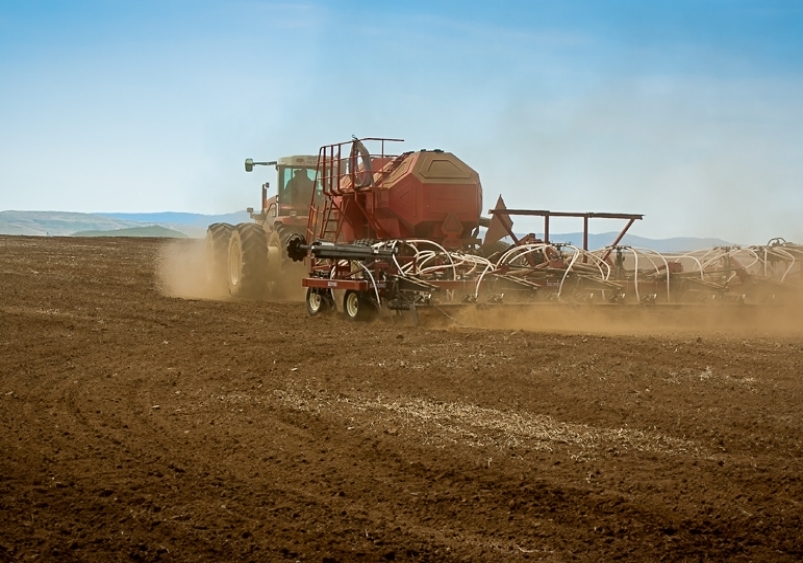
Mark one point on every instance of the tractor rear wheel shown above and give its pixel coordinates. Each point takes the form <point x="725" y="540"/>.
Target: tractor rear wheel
<point x="358" y="306"/>
<point x="217" y="254"/>
<point x="288" y="273"/>
<point x="318" y="301"/>
<point x="248" y="261"/>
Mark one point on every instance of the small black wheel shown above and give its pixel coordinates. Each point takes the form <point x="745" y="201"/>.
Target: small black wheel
<point x="318" y="301"/>
<point x="358" y="306"/>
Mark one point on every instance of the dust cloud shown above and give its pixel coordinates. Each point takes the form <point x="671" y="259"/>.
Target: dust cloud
<point x="288" y="286"/>
<point x="181" y="271"/>
<point x="634" y="320"/>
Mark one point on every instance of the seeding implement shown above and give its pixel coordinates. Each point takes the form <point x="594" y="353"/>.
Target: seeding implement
<point x="401" y="232"/>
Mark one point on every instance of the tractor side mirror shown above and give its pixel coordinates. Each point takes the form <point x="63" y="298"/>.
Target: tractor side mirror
<point x="249" y="164"/>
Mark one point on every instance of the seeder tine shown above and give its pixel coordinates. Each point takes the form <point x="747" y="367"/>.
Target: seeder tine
<point x="518" y="283"/>
<point x="414" y="284"/>
<point x="589" y="282"/>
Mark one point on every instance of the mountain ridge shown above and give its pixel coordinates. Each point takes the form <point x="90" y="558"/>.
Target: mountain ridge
<point x="65" y="223"/>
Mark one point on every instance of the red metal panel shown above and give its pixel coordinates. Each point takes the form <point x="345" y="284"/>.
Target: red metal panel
<point x="326" y="283"/>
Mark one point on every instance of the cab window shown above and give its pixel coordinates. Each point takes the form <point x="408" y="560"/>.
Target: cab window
<point x="295" y="185"/>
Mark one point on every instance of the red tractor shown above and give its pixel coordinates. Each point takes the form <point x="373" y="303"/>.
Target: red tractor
<point x="250" y="259"/>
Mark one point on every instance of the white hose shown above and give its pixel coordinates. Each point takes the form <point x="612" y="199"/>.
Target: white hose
<point x="566" y="273"/>
<point x="647" y="252"/>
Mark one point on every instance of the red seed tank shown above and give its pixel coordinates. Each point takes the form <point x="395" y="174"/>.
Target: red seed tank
<point x="425" y="194"/>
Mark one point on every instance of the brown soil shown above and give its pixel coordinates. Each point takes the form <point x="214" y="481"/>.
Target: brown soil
<point x="135" y="425"/>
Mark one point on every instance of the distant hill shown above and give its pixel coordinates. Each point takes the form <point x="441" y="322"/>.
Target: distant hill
<point x="60" y="223"/>
<point x="57" y="223"/>
<point x="179" y="218"/>
<point x="153" y="231"/>
<point x="192" y="224"/>
<point x="675" y="244"/>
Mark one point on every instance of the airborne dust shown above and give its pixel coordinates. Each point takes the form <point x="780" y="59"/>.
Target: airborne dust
<point x="181" y="271"/>
<point x="635" y="320"/>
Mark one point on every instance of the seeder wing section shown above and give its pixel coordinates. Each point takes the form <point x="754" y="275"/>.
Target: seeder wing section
<point x="401" y="275"/>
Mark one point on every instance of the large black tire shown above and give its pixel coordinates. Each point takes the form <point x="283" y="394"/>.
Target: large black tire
<point x="248" y="261"/>
<point x="217" y="255"/>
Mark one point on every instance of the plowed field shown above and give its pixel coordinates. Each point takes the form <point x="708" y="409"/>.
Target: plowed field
<point x="138" y="422"/>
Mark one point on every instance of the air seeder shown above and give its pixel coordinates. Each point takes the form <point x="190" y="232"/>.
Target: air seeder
<point x="400" y="232"/>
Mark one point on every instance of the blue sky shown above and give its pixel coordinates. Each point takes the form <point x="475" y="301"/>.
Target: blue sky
<point x="687" y="111"/>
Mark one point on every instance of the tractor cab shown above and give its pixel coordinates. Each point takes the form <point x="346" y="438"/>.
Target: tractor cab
<point x="294" y="187"/>
<point x="296" y="183"/>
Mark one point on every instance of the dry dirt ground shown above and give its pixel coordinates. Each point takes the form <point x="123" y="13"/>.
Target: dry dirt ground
<point x="138" y="425"/>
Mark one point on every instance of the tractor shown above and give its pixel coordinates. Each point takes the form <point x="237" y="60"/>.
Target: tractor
<point x="249" y="260"/>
